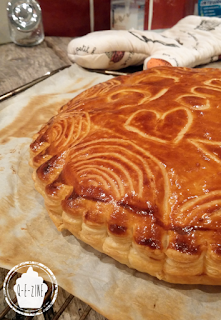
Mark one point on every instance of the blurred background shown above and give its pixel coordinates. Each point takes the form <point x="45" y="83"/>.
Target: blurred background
<point x="74" y="18"/>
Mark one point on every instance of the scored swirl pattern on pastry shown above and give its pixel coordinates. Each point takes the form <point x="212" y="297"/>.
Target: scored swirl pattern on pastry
<point x="132" y="167"/>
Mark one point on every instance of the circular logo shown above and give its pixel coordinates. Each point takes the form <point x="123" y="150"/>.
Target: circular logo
<point x="33" y="295"/>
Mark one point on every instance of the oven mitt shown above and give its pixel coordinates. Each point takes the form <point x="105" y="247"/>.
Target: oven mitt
<point x="192" y="41"/>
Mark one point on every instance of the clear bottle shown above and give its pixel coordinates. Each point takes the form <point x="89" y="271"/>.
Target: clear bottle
<point x="25" y="22"/>
<point x="127" y="14"/>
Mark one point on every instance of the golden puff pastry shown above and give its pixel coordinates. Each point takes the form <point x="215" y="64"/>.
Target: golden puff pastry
<point x="132" y="167"/>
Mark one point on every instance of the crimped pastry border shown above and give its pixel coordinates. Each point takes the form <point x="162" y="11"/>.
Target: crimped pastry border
<point x="171" y="266"/>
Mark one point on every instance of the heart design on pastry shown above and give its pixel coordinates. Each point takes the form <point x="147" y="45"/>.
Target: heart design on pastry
<point x="160" y="127"/>
<point x="132" y="168"/>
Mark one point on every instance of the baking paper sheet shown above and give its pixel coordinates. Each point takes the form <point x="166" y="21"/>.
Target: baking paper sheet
<point x="28" y="234"/>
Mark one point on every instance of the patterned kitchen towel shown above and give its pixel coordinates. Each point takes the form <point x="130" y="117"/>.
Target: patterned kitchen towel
<point x="191" y="42"/>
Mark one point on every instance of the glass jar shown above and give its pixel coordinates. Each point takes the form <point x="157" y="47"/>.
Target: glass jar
<point x="25" y="22"/>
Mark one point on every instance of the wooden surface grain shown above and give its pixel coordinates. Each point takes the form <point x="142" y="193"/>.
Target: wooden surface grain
<point x="19" y="65"/>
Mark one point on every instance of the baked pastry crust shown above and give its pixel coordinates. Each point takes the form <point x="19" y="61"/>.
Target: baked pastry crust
<point x="132" y="166"/>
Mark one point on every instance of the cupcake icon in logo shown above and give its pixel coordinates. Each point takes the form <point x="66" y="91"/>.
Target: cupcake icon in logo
<point x="33" y="295"/>
<point x="30" y="290"/>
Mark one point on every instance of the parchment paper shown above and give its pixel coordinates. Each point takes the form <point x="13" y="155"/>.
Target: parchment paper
<point x="28" y="234"/>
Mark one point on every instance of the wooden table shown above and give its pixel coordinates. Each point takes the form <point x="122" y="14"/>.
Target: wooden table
<point x="18" y="66"/>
